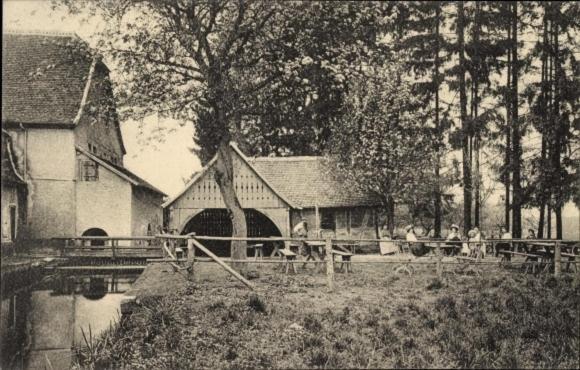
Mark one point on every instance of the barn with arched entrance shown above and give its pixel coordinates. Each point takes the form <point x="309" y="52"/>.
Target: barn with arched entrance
<point x="275" y="193"/>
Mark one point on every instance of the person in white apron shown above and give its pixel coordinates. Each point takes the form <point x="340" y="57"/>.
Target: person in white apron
<point x="387" y="246"/>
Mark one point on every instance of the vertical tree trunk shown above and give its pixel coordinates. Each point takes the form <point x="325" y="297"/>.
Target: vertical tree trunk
<point x="508" y="135"/>
<point x="224" y="176"/>
<point x="464" y="121"/>
<point x="544" y="110"/>
<point x="475" y="102"/>
<point x="516" y="140"/>
<point x="438" y="204"/>
<point x="390" y="208"/>
<point x="541" y="222"/>
<point x="549" y="222"/>
<point x="558" y="131"/>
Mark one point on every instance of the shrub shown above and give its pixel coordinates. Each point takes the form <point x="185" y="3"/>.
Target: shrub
<point x="256" y="303"/>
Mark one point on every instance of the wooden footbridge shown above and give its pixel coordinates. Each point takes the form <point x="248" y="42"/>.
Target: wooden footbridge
<point x="103" y="252"/>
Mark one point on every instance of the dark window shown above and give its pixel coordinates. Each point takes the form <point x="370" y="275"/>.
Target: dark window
<point x="90" y="171"/>
<point x="13" y="223"/>
<point x="327" y="219"/>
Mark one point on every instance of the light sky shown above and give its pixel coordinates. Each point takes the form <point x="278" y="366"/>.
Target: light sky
<point x="168" y="162"/>
<point x="163" y="163"/>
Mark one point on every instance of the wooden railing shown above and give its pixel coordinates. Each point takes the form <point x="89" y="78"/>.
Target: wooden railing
<point x="165" y="247"/>
<point x="193" y="241"/>
<point x="114" y="247"/>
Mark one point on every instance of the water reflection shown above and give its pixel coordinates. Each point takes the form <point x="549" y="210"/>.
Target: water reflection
<point x="40" y="324"/>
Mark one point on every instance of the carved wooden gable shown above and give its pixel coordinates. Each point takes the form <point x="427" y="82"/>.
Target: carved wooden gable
<point x="251" y="190"/>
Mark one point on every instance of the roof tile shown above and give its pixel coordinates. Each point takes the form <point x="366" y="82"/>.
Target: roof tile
<point x="310" y="181"/>
<point x="43" y="77"/>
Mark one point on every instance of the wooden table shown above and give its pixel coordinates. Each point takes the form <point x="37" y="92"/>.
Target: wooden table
<point x="258" y="250"/>
<point x="319" y="248"/>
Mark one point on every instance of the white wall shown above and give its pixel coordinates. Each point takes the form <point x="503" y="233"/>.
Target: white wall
<point x="104" y="204"/>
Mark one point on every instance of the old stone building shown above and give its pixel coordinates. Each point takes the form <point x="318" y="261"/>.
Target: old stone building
<point x="59" y="110"/>
<point x="275" y="194"/>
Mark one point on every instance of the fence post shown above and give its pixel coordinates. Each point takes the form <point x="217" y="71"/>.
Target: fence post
<point x="113" y="245"/>
<point x="557" y="259"/>
<point x="190" y="258"/>
<point x="64" y="249"/>
<point x="329" y="264"/>
<point x="439" y="258"/>
<point x="577" y="270"/>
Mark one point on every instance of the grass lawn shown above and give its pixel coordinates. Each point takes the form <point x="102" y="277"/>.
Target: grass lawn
<point x="376" y="318"/>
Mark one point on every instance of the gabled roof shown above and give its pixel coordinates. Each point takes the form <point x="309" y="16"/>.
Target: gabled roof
<point x="302" y="182"/>
<point x="310" y="181"/>
<point x="121" y="171"/>
<point x="10" y="174"/>
<point x="43" y="77"/>
<point x="199" y="175"/>
<point x="46" y="78"/>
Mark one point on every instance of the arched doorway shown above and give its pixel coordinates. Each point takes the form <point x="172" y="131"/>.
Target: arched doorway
<point x="96" y="288"/>
<point x="216" y="222"/>
<point x="96" y="232"/>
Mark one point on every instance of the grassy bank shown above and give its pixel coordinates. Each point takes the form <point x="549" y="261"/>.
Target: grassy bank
<point x="375" y="319"/>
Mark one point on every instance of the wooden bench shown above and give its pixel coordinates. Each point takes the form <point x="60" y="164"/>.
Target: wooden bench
<point x="345" y="259"/>
<point x="258" y="250"/>
<point x="536" y="259"/>
<point x="571" y="260"/>
<point x="289" y="257"/>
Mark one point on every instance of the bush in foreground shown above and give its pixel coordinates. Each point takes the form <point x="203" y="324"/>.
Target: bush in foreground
<point x="499" y="322"/>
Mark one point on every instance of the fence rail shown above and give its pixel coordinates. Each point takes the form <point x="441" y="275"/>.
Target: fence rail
<point x="165" y="247"/>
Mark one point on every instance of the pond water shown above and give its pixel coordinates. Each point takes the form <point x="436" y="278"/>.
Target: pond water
<point x="40" y="324"/>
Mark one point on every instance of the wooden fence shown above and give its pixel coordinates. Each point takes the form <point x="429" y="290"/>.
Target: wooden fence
<point x="438" y="245"/>
<point x="170" y="249"/>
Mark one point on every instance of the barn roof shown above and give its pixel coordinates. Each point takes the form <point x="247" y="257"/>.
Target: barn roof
<point x="310" y="181"/>
<point x="302" y="182"/>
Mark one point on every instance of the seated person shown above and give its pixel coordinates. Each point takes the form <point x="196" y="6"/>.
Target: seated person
<point x="417" y="249"/>
<point x="453" y="236"/>
<point x="466" y="247"/>
<point x="505" y="235"/>
<point x="530" y="248"/>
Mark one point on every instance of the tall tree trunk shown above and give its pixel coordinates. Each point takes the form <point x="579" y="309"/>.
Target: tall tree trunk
<point x="224" y="169"/>
<point x="390" y="209"/>
<point x="549" y="222"/>
<point x="508" y="136"/>
<point x="438" y="203"/>
<point x="464" y="121"/>
<point x="475" y="102"/>
<point x="516" y="140"/>
<point x="541" y="221"/>
<point x="544" y="115"/>
<point x="558" y="134"/>
<point x="224" y="176"/>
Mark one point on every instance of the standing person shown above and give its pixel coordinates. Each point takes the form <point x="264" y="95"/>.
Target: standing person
<point x="417" y="249"/>
<point x="453" y="236"/>
<point x="301" y="231"/>
<point x="387" y="246"/>
<point x="477" y="247"/>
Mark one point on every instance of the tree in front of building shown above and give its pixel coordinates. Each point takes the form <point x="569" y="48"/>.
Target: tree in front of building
<point x="383" y="144"/>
